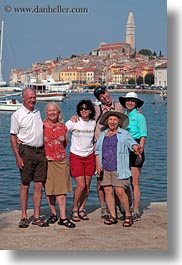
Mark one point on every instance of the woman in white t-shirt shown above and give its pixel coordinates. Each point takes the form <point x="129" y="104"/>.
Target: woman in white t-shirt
<point x="82" y="156"/>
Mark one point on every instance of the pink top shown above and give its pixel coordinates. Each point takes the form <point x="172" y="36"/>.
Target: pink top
<point x="55" y="140"/>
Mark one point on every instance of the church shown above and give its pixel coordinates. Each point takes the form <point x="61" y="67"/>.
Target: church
<point x="127" y="47"/>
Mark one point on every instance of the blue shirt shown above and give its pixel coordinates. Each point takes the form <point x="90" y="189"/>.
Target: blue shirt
<point x="137" y="124"/>
<point x="124" y="143"/>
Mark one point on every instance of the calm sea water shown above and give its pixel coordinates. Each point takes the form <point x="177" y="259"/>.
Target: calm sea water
<point x="153" y="180"/>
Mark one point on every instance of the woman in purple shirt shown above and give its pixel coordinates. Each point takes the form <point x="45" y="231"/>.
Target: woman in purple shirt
<point x="112" y="160"/>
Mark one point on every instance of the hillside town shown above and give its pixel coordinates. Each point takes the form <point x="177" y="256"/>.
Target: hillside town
<point x="117" y="65"/>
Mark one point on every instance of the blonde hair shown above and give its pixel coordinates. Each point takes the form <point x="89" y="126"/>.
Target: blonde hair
<point x="60" y="116"/>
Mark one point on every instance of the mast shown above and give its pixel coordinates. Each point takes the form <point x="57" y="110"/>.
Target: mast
<point x="1" y="50"/>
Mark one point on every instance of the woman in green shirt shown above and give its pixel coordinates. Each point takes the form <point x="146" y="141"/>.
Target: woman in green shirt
<point x="138" y="130"/>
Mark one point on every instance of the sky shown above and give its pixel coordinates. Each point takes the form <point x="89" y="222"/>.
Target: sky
<point x="32" y="37"/>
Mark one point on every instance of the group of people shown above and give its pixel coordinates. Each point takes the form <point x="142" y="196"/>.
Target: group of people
<point x="108" y="139"/>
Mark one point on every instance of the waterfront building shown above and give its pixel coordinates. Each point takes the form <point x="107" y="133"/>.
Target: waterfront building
<point x="161" y="75"/>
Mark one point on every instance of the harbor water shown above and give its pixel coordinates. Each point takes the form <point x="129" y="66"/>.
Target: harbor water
<point x="153" y="179"/>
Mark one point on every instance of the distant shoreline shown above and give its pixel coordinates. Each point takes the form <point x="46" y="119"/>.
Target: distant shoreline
<point x="139" y="91"/>
<point x="125" y="90"/>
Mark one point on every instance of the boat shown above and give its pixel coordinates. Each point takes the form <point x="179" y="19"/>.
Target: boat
<point x="96" y="102"/>
<point x="51" y="96"/>
<point x="9" y="104"/>
<point x="57" y="86"/>
<point x="4" y="87"/>
<point x="42" y="94"/>
<point x="164" y="95"/>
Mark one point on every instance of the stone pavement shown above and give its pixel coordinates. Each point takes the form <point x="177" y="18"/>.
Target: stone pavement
<point x="148" y="234"/>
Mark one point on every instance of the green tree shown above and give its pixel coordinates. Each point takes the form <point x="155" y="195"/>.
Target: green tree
<point x="149" y="79"/>
<point x="139" y="80"/>
<point x="146" y="52"/>
<point x="73" y="56"/>
<point x="131" y="81"/>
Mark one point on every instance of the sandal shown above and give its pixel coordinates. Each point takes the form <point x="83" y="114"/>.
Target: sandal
<point x="24" y="223"/>
<point x="40" y="222"/>
<point x="52" y="219"/>
<point x="83" y="215"/>
<point x="66" y="222"/>
<point x="128" y="221"/>
<point x="111" y="221"/>
<point x="75" y="216"/>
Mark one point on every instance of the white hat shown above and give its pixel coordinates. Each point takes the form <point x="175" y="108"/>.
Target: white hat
<point x="131" y="95"/>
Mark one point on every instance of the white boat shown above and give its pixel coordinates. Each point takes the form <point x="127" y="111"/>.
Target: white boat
<point x="57" y="86"/>
<point x="9" y="104"/>
<point x="96" y="102"/>
<point x="45" y="95"/>
<point x="50" y="96"/>
<point x="164" y="95"/>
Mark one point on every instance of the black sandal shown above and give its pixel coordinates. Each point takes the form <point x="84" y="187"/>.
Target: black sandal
<point x="40" y="222"/>
<point x="24" y="223"/>
<point x="75" y="216"/>
<point x="128" y="221"/>
<point x="111" y="221"/>
<point x="66" y="222"/>
<point x="52" y="219"/>
<point x="83" y="215"/>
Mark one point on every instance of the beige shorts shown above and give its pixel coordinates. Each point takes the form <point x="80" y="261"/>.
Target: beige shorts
<point x="110" y="178"/>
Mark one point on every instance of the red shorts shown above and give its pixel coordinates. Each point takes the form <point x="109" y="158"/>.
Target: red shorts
<point x="82" y="166"/>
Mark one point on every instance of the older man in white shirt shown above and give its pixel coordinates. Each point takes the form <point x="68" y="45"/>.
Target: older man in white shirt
<point x="27" y="144"/>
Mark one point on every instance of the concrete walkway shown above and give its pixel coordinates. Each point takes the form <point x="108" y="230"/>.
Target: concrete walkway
<point x="148" y="234"/>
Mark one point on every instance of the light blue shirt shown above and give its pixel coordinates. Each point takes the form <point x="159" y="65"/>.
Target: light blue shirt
<point x="137" y="124"/>
<point x="125" y="142"/>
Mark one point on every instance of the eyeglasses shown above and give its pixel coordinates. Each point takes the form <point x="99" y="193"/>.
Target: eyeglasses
<point x="82" y="108"/>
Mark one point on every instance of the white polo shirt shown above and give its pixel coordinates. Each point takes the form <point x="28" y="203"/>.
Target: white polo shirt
<point x="27" y="126"/>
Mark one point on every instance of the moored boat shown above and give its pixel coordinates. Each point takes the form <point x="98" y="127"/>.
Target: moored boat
<point x="50" y="96"/>
<point x="44" y="95"/>
<point x="9" y="104"/>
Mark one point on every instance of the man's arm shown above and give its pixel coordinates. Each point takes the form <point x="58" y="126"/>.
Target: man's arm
<point x="14" y="144"/>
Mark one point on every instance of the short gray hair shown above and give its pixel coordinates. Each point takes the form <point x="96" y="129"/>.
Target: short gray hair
<point x="27" y="88"/>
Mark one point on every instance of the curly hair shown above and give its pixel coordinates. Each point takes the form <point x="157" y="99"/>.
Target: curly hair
<point x="88" y="103"/>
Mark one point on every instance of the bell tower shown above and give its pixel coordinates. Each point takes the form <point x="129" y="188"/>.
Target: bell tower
<point x="130" y="30"/>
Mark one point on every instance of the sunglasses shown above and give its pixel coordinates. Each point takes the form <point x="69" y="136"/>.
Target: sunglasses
<point x="82" y="108"/>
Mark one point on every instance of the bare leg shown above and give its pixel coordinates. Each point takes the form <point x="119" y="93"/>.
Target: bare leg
<point x="123" y="197"/>
<point x="80" y="187"/>
<point x="86" y="192"/>
<point x="61" y="199"/>
<point x="100" y="191"/>
<point x="110" y="200"/>
<point x="24" y="199"/>
<point x="135" y="186"/>
<point x="51" y="200"/>
<point x="37" y="198"/>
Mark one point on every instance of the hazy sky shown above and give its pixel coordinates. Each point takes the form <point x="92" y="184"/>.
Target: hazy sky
<point x="33" y="36"/>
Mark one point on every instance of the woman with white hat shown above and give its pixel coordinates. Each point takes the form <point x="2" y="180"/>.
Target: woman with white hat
<point x="138" y="130"/>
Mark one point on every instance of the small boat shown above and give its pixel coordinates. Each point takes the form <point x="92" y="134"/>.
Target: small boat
<point x="50" y="96"/>
<point x="96" y="102"/>
<point x="164" y="95"/>
<point x="44" y="95"/>
<point x="9" y="104"/>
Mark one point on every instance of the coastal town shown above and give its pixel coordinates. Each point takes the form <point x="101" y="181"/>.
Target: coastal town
<point x="116" y="65"/>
